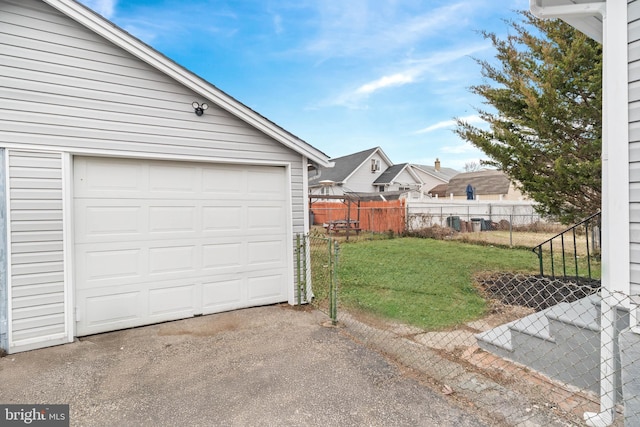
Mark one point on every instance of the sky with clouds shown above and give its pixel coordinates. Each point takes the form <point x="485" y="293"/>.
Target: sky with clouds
<point x="344" y="76"/>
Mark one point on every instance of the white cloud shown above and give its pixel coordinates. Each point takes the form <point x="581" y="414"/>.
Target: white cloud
<point x="463" y="148"/>
<point x="447" y="124"/>
<point x="411" y="72"/>
<point x="277" y="24"/>
<point x="398" y="79"/>
<point x="105" y="8"/>
<point x="372" y="27"/>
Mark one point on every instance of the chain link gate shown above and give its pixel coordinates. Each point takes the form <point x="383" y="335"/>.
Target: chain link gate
<point x="316" y="263"/>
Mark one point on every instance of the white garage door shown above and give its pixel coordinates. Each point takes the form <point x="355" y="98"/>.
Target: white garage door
<point x="157" y="240"/>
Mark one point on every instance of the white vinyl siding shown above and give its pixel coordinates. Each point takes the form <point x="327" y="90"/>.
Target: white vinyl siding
<point x="55" y="73"/>
<point x="362" y="179"/>
<point x="67" y="90"/>
<point x="634" y="142"/>
<point x="429" y="180"/>
<point x="405" y="180"/>
<point x="36" y="242"/>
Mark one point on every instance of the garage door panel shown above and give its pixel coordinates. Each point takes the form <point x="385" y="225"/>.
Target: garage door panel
<point x="112" y="264"/>
<point x="114" y="310"/>
<point x="223" y="255"/>
<point x="265" y="218"/>
<point x="222" y="218"/>
<point x="173" y="180"/>
<point x="109" y="178"/>
<point x="224" y="180"/>
<point x="265" y="289"/>
<point x="265" y="183"/>
<point x="115" y="262"/>
<point x="172" y="219"/>
<point x="181" y="239"/>
<point x="226" y="293"/>
<point x="179" y="301"/>
<point x="115" y="220"/>
<point x="266" y="253"/>
<point x="170" y="260"/>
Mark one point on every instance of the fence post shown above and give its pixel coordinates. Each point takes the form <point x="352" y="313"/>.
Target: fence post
<point x="304" y="285"/>
<point x="511" y="230"/>
<point x="333" y="286"/>
<point x="298" y="269"/>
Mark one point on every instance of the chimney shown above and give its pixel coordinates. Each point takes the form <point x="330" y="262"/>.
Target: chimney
<point x="437" y="165"/>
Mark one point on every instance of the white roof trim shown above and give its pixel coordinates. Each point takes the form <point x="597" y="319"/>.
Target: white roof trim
<point x="585" y="16"/>
<point x="144" y="52"/>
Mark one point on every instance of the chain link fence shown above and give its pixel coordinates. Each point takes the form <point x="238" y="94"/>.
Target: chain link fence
<point x="546" y="351"/>
<point x="317" y="259"/>
<point x="460" y="215"/>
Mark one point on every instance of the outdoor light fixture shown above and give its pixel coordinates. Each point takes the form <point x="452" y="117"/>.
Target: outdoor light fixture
<point x="199" y="108"/>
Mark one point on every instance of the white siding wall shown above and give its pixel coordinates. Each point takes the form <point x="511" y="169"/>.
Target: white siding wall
<point x="429" y="180"/>
<point x="362" y="179"/>
<point x="634" y="141"/>
<point x="404" y="179"/>
<point x="36" y="283"/>
<point x="66" y="89"/>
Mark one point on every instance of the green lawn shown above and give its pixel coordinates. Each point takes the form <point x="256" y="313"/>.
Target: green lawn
<point x="423" y="282"/>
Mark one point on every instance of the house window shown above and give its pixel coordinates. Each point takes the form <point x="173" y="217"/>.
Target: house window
<point x="381" y="188"/>
<point x="404" y="187"/>
<point x="375" y="165"/>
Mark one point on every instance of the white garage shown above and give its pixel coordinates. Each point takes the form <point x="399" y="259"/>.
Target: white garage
<point x="121" y="203"/>
<point x="160" y="240"/>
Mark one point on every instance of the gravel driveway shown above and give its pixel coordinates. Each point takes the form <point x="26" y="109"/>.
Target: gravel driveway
<point x="267" y="366"/>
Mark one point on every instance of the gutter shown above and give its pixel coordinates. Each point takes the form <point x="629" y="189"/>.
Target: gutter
<point x="605" y="417"/>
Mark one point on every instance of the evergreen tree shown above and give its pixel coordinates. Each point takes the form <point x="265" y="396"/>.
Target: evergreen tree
<point x="546" y="122"/>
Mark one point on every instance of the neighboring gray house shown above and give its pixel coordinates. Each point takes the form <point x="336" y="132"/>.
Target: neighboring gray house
<point x="355" y="173"/>
<point x="400" y="177"/>
<point x="122" y="203"/>
<point x="371" y="171"/>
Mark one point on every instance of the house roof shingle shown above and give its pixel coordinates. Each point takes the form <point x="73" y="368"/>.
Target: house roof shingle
<point x="443" y="173"/>
<point x="388" y="176"/>
<point x="484" y="182"/>
<point x="439" y="190"/>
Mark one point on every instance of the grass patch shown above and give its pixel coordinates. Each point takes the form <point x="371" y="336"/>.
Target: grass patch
<point x="424" y="282"/>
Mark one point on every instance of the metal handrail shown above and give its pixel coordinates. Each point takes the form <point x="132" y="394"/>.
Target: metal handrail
<point x="586" y="223"/>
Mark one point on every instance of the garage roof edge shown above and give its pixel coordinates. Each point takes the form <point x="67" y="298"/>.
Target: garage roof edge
<point x="146" y="53"/>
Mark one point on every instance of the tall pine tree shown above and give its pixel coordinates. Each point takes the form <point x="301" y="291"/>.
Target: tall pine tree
<point x="546" y="122"/>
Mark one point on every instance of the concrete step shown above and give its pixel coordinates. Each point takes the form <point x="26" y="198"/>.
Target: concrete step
<point x="561" y="342"/>
<point x="584" y="313"/>
<point x="535" y="325"/>
<point x="496" y="340"/>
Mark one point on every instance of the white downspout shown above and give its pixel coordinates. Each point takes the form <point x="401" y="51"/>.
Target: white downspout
<point x="615" y="176"/>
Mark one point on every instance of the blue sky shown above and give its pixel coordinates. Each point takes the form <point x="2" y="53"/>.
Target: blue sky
<point x="343" y="75"/>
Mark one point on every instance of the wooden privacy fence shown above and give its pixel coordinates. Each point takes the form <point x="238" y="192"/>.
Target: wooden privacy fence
<point x="376" y="216"/>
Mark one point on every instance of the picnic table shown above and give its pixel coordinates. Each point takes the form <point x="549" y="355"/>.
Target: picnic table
<point x="342" y="225"/>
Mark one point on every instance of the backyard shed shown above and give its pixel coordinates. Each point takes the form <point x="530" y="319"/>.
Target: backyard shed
<point x="122" y="204"/>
